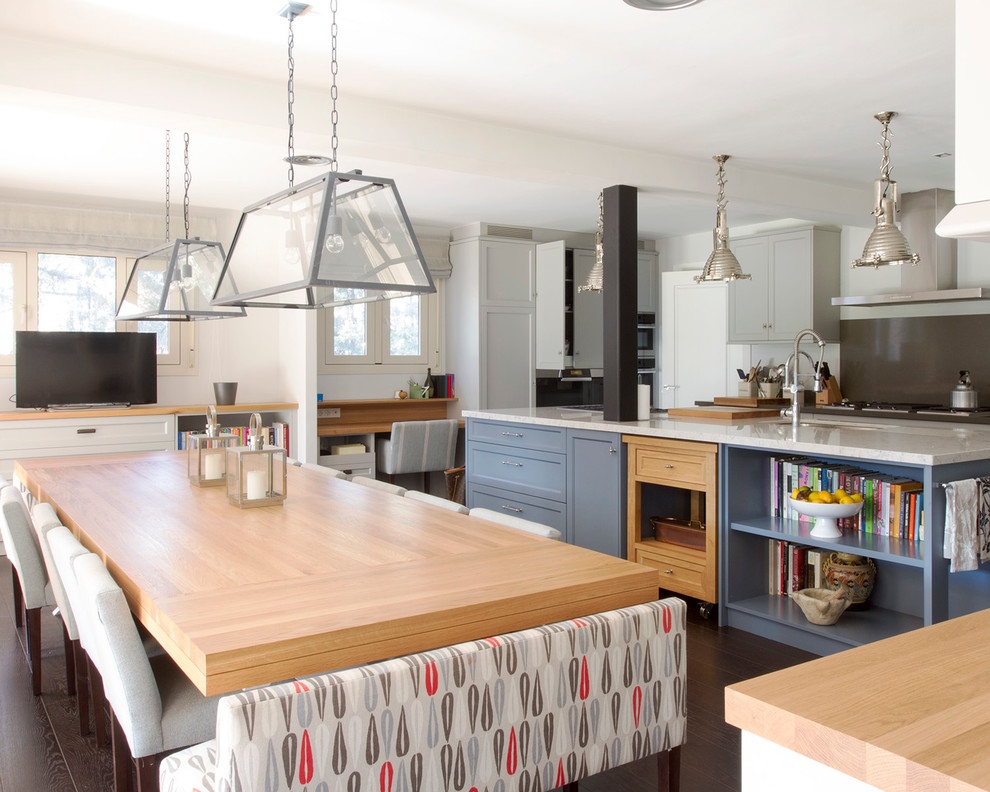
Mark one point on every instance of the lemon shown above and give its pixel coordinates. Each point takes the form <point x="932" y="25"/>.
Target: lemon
<point x="857" y="498"/>
<point x="814" y="497"/>
<point x="846" y="499"/>
<point x="839" y="494"/>
<point x="825" y="497"/>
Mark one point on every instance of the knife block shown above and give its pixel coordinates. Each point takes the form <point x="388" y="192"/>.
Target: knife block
<point x="830" y="394"/>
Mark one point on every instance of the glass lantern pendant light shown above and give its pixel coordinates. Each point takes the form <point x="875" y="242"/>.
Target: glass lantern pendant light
<point x="337" y="239"/>
<point x="176" y="281"/>
<point x="722" y="264"/>
<point x="886" y="245"/>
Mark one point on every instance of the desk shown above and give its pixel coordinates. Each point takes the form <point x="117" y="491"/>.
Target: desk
<point x="367" y="416"/>
<point x="339" y="575"/>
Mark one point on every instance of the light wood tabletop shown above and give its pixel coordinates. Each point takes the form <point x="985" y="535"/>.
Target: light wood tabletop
<point x="906" y="713"/>
<point x="339" y="575"/>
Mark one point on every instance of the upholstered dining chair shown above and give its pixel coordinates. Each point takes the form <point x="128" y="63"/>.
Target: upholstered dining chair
<point x="518" y="523"/>
<point x="43" y="518"/>
<point x="418" y="447"/>
<point x="154" y="707"/>
<point x="433" y="500"/>
<point x="382" y="486"/>
<point x="32" y="591"/>
<point x="326" y="471"/>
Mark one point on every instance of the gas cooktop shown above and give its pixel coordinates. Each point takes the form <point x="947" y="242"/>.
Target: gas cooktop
<point x="919" y="411"/>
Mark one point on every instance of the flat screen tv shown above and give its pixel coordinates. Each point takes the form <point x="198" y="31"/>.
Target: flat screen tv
<point x="55" y="369"/>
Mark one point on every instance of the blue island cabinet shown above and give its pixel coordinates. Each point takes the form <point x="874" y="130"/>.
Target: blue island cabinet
<point x="913" y="585"/>
<point x="570" y="479"/>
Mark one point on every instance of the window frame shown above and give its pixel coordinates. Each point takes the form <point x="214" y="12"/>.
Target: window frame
<point x="379" y="359"/>
<point x="181" y="358"/>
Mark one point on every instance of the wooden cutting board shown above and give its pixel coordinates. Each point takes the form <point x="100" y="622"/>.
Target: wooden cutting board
<point x="724" y="412"/>
<point x="750" y="401"/>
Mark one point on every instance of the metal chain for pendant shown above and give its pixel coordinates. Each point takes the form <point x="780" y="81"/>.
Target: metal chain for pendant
<point x="599" y="244"/>
<point x="333" y="85"/>
<point x="884" y="118"/>
<point x="168" y="186"/>
<point x="292" y="64"/>
<point x="720" y="201"/>
<point x="187" y="181"/>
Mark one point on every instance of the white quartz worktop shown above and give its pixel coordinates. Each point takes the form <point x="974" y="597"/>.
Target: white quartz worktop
<point x="910" y="442"/>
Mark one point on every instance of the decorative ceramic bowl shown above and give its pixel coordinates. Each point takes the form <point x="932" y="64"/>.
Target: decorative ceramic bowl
<point x="821" y="606"/>
<point x="825" y="515"/>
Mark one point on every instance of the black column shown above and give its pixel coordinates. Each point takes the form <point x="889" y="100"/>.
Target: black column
<point x="619" y="303"/>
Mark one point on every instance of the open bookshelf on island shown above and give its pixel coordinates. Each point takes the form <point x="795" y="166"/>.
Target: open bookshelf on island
<point x="913" y="586"/>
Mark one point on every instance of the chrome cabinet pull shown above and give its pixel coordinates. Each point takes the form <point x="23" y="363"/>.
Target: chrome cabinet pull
<point x="91" y="430"/>
<point x="611" y="450"/>
<point x="668" y="466"/>
<point x="668" y="571"/>
<point x="514" y="464"/>
<point x="511" y="434"/>
<point x="512" y="509"/>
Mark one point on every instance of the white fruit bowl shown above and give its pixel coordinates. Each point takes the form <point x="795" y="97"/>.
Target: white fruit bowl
<point x="825" y="515"/>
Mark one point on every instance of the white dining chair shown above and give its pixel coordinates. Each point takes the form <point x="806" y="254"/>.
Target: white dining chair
<point x="326" y="471"/>
<point x="381" y="486"/>
<point x="433" y="500"/>
<point x="154" y="707"/>
<point x="510" y="521"/>
<point x="418" y="447"/>
<point x="31" y="588"/>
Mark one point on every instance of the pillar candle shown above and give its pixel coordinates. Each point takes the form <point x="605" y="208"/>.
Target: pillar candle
<point x="212" y="466"/>
<point x="257" y="484"/>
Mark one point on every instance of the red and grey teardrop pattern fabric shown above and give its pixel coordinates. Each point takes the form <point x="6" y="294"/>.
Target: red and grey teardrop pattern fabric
<point x="527" y="712"/>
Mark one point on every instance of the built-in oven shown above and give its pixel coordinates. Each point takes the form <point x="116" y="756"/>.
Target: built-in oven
<point x="646" y="326"/>
<point x="569" y="387"/>
<point x="646" y="374"/>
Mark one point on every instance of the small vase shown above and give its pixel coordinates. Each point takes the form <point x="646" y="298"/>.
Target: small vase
<point x="854" y="573"/>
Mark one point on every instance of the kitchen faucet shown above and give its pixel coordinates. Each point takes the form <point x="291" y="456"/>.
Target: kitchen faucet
<point x="791" y="374"/>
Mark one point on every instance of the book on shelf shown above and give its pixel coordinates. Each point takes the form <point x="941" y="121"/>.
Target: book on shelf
<point x="792" y="567"/>
<point x="277" y="434"/>
<point x="443" y="386"/>
<point x="887" y="498"/>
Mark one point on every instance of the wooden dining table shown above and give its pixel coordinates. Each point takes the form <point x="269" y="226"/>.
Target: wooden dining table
<point x="338" y="575"/>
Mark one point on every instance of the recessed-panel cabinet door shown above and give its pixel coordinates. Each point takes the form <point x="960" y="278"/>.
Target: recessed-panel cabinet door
<point x="508" y="273"/>
<point x="790" y="285"/>
<point x="748" y="320"/>
<point x="508" y="371"/>
<point x="596" y="492"/>
<point x="588" y="316"/>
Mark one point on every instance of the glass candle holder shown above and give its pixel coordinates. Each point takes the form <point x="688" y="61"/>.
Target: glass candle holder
<point x="255" y="472"/>
<point x="206" y="453"/>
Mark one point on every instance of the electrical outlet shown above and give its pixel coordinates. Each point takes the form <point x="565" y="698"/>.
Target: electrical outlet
<point x="328" y="412"/>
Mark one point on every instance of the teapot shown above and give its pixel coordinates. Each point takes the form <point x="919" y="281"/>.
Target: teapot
<point x="964" y="395"/>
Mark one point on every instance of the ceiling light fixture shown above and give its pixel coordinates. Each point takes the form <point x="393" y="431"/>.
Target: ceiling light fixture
<point x="661" y="5"/>
<point x="176" y="281"/>
<point x="722" y="265"/>
<point x="886" y="245"/>
<point x="596" y="276"/>
<point x="338" y="239"/>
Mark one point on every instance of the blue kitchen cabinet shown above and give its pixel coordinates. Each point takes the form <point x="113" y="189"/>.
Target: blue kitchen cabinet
<point x="596" y="491"/>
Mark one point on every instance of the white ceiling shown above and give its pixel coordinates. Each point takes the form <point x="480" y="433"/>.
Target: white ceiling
<point x="515" y="111"/>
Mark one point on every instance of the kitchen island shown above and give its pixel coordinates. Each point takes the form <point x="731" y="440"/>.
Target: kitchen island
<point x="914" y="588"/>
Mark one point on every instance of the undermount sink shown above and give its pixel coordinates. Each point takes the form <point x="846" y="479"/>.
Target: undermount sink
<point x="814" y="424"/>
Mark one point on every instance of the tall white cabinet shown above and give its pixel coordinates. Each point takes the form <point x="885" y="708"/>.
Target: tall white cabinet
<point x="490" y="342"/>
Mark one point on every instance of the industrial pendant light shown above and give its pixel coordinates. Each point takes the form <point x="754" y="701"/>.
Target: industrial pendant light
<point x="176" y="281"/>
<point x="596" y="276"/>
<point x="722" y="264"/>
<point x="338" y="239"/>
<point x="886" y="244"/>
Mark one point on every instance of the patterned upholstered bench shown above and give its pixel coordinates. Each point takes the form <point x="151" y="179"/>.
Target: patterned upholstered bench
<point x="530" y="710"/>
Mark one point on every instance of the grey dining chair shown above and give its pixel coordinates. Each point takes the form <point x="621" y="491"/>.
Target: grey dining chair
<point x="433" y="500"/>
<point x="31" y="588"/>
<point x="154" y="707"/>
<point x="382" y="486"/>
<point x="518" y="523"/>
<point x="418" y="447"/>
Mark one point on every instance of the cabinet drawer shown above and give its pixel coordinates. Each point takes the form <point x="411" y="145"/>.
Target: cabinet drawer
<point x="675" y="573"/>
<point x="517" y="435"/>
<point x="54" y="437"/>
<point x="536" y="509"/>
<point x="536" y="473"/>
<point x="675" y="464"/>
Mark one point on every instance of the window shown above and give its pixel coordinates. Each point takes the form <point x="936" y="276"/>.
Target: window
<point x="74" y="292"/>
<point x="402" y="333"/>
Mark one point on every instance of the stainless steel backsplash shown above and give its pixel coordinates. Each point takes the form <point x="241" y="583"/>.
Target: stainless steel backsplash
<point x="914" y="359"/>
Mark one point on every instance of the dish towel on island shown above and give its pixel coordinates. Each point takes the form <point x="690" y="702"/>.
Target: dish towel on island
<point x="967" y="524"/>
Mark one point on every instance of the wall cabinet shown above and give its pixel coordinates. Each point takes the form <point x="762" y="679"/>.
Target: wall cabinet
<point x="571" y="480"/>
<point x="795" y="274"/>
<point x="569" y="322"/>
<point x="490" y="341"/>
<point x="647" y="283"/>
<point x="674" y="478"/>
<point x="589" y="313"/>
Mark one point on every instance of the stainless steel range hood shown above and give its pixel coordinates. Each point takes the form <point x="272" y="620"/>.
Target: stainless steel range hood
<point x="933" y="279"/>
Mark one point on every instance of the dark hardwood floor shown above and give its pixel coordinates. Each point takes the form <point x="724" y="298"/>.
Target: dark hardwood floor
<point x="41" y="749"/>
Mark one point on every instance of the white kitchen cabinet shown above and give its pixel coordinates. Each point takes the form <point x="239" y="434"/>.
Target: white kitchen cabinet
<point x="647" y="283"/>
<point x="490" y="324"/>
<point x="589" y="313"/>
<point x="795" y="274"/>
<point x="551" y="307"/>
<point x="695" y="358"/>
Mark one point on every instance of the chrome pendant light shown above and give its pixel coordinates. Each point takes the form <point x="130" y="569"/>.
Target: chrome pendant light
<point x="722" y="264"/>
<point x="886" y="245"/>
<point x="176" y="281"/>
<point x="596" y="276"/>
<point x="338" y="239"/>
